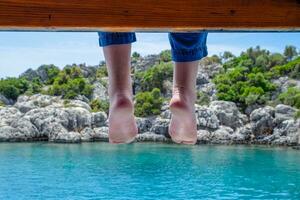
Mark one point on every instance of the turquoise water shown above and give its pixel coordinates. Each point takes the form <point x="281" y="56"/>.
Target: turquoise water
<point x="147" y="171"/>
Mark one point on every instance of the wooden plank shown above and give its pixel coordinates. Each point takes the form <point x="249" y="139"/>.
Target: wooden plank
<point x="150" y="15"/>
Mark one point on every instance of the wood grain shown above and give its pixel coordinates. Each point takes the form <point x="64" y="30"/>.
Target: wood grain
<point x="150" y="15"/>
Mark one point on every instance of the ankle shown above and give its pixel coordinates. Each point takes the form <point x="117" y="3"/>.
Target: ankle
<point x="184" y="94"/>
<point x="121" y="100"/>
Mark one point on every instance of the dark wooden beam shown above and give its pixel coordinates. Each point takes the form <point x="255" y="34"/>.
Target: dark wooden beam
<point x="150" y="15"/>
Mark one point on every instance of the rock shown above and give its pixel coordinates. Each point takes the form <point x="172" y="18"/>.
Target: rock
<point x="203" y="136"/>
<point x="78" y="118"/>
<point x="57" y="133"/>
<point x="87" y="135"/>
<point x="283" y="83"/>
<point x="251" y="108"/>
<point x="246" y="131"/>
<point x="146" y="62"/>
<point x="40" y="73"/>
<point x="206" y="118"/>
<point x="8" y="133"/>
<point x="26" y="103"/>
<point x="202" y="79"/>
<point x="262" y="121"/>
<point x="99" y="92"/>
<point x="5" y="100"/>
<point x="82" y="98"/>
<point x="151" y="137"/>
<point x="223" y="133"/>
<point x="77" y="103"/>
<point x="284" y="112"/>
<point x="209" y="69"/>
<point x="228" y="114"/>
<point x="209" y="89"/>
<point x="99" y="119"/>
<point x="8" y="115"/>
<point x="41" y="117"/>
<point x="101" y="134"/>
<point x="144" y="124"/>
<point x="26" y="128"/>
<point x="160" y="126"/>
<point x="166" y="114"/>
<point x="88" y="71"/>
<point x="287" y="133"/>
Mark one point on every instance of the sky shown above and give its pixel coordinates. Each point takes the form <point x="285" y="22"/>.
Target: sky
<point x="22" y="50"/>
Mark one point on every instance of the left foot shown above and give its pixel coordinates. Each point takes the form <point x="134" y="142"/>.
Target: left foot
<point x="183" y="124"/>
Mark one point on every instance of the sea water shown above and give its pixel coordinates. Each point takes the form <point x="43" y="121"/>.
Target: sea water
<point x="147" y="171"/>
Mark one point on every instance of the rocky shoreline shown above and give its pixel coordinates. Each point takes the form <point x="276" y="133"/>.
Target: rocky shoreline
<point x="47" y="118"/>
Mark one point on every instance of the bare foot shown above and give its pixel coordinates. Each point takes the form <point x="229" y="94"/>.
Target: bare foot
<point x="122" y="124"/>
<point x="183" y="124"/>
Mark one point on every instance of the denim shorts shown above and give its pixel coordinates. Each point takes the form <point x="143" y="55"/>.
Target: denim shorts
<point x="185" y="47"/>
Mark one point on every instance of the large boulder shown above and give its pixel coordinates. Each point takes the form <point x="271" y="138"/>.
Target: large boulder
<point x="262" y="121"/>
<point x="8" y="115"/>
<point x="287" y="132"/>
<point x="228" y="114"/>
<point x="223" y="135"/>
<point x="145" y="63"/>
<point x="8" y="133"/>
<point x="144" y="124"/>
<point x="99" y="92"/>
<point x="151" y="137"/>
<point x="207" y="118"/>
<point x="5" y="100"/>
<point x="284" y="112"/>
<point x="87" y="135"/>
<point x="77" y="103"/>
<point x="160" y="126"/>
<point x="78" y="118"/>
<point x="27" y="103"/>
<point x="58" y="133"/>
<point x="99" y="119"/>
<point x="101" y="134"/>
<point x="209" y="69"/>
<point x="26" y="128"/>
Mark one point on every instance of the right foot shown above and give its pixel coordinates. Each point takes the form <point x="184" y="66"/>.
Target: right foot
<point x="122" y="124"/>
<point x="183" y="124"/>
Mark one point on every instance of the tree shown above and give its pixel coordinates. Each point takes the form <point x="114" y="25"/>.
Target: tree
<point x="290" y="52"/>
<point x="226" y="56"/>
<point x="148" y="103"/>
<point x="136" y="55"/>
<point x="165" y="56"/>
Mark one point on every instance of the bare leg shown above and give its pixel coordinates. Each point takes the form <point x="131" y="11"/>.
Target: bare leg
<point x="122" y="125"/>
<point x="183" y="125"/>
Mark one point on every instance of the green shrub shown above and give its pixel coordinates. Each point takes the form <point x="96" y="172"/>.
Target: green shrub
<point x="297" y="114"/>
<point x="102" y="72"/>
<point x="1" y="104"/>
<point x="291" y="69"/>
<point x="202" y="98"/>
<point x="70" y="83"/>
<point x="99" y="105"/>
<point x="244" y="82"/>
<point x="13" y="87"/>
<point x="135" y="55"/>
<point x="165" y="56"/>
<point x="291" y="97"/>
<point x="154" y="76"/>
<point x="52" y="73"/>
<point x="148" y="103"/>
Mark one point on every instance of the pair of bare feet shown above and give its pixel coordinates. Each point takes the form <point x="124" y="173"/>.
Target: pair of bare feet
<point x="122" y="125"/>
<point x="182" y="128"/>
